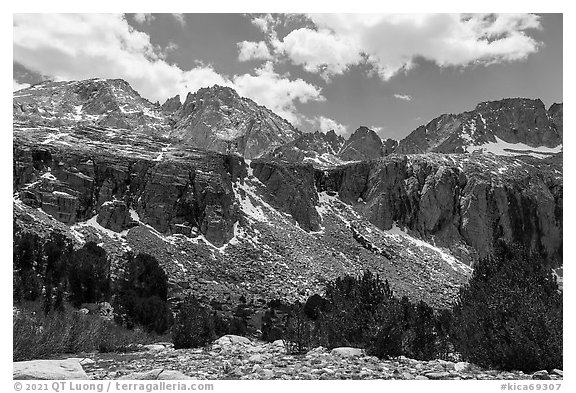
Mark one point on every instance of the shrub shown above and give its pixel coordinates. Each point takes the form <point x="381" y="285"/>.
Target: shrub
<point x="355" y="305"/>
<point x="509" y="316"/>
<point x="38" y="335"/>
<point x="194" y="325"/>
<point x="388" y="331"/>
<point x="297" y="335"/>
<point x="362" y="312"/>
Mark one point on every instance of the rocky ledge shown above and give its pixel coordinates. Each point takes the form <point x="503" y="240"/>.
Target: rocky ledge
<point x="234" y="357"/>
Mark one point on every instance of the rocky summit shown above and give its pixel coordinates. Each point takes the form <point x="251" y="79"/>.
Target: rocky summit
<point x="513" y="126"/>
<point x="219" y="119"/>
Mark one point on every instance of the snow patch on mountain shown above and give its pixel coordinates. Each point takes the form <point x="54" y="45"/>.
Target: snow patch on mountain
<point x="501" y="147"/>
<point x="455" y="264"/>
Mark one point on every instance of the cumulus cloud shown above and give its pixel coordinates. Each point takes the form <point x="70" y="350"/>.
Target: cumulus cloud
<point x="404" y="97"/>
<point x="74" y="47"/>
<point x="391" y="43"/>
<point x="143" y="18"/>
<point x="248" y="50"/>
<point x="19" y="86"/>
<point x="326" y="124"/>
<point x="266" y="23"/>
<point x="277" y="92"/>
<point x="320" y="51"/>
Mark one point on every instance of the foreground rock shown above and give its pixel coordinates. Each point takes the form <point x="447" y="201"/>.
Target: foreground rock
<point x="49" y="369"/>
<point x="157" y="374"/>
<point x="347" y="352"/>
<point x="234" y="357"/>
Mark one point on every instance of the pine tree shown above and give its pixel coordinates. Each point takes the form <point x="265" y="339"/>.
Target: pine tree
<point x="509" y="316"/>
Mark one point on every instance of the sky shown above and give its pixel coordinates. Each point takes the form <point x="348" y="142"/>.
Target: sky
<point x="390" y="72"/>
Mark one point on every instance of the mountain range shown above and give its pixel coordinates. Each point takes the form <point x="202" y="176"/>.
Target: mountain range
<point x="235" y="201"/>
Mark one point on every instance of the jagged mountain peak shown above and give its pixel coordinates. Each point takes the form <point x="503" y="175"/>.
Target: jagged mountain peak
<point x="363" y="144"/>
<point x="110" y="103"/>
<point x="217" y="118"/>
<point x="172" y="104"/>
<point x="511" y="102"/>
<point x="512" y="126"/>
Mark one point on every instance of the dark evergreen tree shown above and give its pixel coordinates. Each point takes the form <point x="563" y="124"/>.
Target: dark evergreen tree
<point x="509" y="316"/>
<point x="27" y="254"/>
<point x="143" y="292"/>
<point x="89" y="275"/>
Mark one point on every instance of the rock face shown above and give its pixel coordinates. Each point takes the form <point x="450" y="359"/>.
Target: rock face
<point x="249" y="221"/>
<point x="172" y="104"/>
<point x="508" y="127"/>
<point x="388" y="146"/>
<point x="194" y="190"/>
<point x="556" y="113"/>
<point x="363" y="144"/>
<point x="49" y="369"/>
<point x="114" y="215"/>
<point x="316" y="148"/>
<point x="290" y="189"/>
<point x="217" y="118"/>
<point x="458" y="200"/>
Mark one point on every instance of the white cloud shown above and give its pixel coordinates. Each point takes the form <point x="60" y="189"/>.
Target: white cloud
<point x="320" y="51"/>
<point x="277" y="92"/>
<point x="249" y="50"/>
<point x="391" y="43"/>
<point x="265" y="23"/>
<point x="404" y="97"/>
<point x="75" y="47"/>
<point x="326" y="124"/>
<point x="18" y="86"/>
<point x="143" y="18"/>
<point x="180" y="18"/>
<point x="72" y="46"/>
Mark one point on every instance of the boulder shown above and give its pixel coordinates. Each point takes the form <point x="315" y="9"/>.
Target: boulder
<point x="278" y="343"/>
<point x="462" y="366"/>
<point x="348" y="352"/>
<point x="49" y="369"/>
<point x="542" y="374"/>
<point x="558" y="372"/>
<point x="256" y="358"/>
<point x="154" y="347"/>
<point x="231" y="339"/>
<point x="115" y="215"/>
<point x="438" y="375"/>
